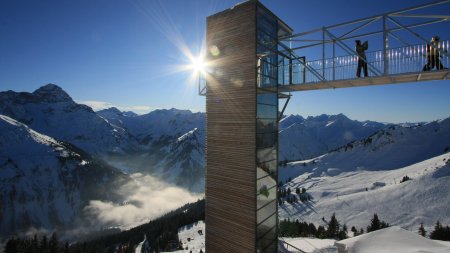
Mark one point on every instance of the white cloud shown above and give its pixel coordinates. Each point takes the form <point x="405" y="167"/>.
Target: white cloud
<point x="100" y="105"/>
<point x="151" y="199"/>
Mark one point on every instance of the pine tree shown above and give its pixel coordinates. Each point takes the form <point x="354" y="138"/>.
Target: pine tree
<point x="44" y="244"/>
<point x="437" y="234"/>
<point x="422" y="230"/>
<point x="333" y="227"/>
<point x="12" y="246"/>
<point x="375" y="224"/>
<point x="343" y="234"/>
<point x="321" y="232"/>
<point x="53" y="243"/>
<point x="355" y="232"/>
<point x="66" y="247"/>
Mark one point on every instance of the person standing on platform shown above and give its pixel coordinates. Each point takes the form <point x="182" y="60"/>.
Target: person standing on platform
<point x="433" y="55"/>
<point x="362" y="61"/>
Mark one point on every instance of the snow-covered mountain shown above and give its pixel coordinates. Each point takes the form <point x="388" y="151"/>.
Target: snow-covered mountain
<point x="368" y="176"/>
<point x="184" y="161"/>
<point x="46" y="183"/>
<point x="306" y="138"/>
<point x="391" y="148"/>
<point x="51" y="111"/>
<point x="157" y="127"/>
<point x="139" y="143"/>
<point x="172" y="145"/>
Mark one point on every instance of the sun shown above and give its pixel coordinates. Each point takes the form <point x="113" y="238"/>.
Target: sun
<point x="198" y="64"/>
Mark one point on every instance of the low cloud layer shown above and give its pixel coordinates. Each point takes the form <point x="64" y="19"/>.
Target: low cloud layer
<point x="151" y="199"/>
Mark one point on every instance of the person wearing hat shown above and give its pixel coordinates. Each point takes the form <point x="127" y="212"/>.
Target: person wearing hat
<point x="362" y="62"/>
<point x="433" y="55"/>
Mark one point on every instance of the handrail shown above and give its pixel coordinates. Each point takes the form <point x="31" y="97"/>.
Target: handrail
<point x="407" y="59"/>
<point x="292" y="249"/>
<point x="284" y="249"/>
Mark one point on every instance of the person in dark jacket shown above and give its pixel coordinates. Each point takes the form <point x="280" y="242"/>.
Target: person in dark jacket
<point x="360" y="51"/>
<point x="433" y="55"/>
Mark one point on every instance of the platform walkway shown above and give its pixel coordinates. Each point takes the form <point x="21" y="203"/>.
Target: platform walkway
<point x="405" y="66"/>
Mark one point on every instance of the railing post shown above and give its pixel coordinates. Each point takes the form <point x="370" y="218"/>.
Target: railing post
<point x="290" y="71"/>
<point x="323" y="52"/>
<point x="334" y="60"/>
<point x="385" y="46"/>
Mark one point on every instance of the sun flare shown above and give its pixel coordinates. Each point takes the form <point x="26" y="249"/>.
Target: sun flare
<point x="198" y="64"/>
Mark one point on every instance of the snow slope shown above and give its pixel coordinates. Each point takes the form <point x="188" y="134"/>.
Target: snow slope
<point x="158" y="126"/>
<point x="45" y="182"/>
<point x="306" y="138"/>
<point x="51" y="111"/>
<point x="390" y="148"/>
<point x="392" y="239"/>
<point x="172" y="145"/>
<point x="184" y="161"/>
<point x="193" y="237"/>
<point x="356" y="195"/>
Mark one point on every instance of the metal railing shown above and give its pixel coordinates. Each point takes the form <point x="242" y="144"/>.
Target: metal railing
<point x="285" y="247"/>
<point x="408" y="59"/>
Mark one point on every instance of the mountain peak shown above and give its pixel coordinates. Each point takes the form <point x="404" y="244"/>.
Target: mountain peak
<point x="339" y="116"/>
<point x="113" y="110"/>
<point x="52" y="93"/>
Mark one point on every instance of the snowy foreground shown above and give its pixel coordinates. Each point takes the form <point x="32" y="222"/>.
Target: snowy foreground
<point x="392" y="239"/>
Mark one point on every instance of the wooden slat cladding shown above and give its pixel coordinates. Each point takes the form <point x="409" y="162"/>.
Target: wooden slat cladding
<point x="230" y="127"/>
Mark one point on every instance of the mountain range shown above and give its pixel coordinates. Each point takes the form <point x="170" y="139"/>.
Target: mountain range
<point x="400" y="172"/>
<point x="60" y="154"/>
<point x="304" y="138"/>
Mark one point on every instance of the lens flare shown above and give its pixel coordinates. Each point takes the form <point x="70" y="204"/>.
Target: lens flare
<point x="198" y="64"/>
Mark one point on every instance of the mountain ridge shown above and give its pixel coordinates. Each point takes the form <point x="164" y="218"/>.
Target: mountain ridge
<point x="52" y="185"/>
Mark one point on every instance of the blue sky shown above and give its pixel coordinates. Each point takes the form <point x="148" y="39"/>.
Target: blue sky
<point x="128" y="54"/>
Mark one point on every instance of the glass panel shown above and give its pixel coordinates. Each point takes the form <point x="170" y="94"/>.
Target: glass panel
<point x="267" y="98"/>
<point x="267" y="74"/>
<point x="266" y="210"/>
<point x="265" y="40"/>
<point x="266" y="225"/>
<point x="266" y="154"/>
<point x="266" y="190"/>
<point x="284" y="70"/>
<point x="266" y="111"/>
<point x="267" y="24"/>
<point x="266" y="126"/>
<point x="268" y="70"/>
<point x="267" y="168"/>
<point x="271" y="60"/>
<point x="266" y="140"/>
<point x="264" y="81"/>
<point x="264" y="199"/>
<point x="267" y="245"/>
<point x="267" y="132"/>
